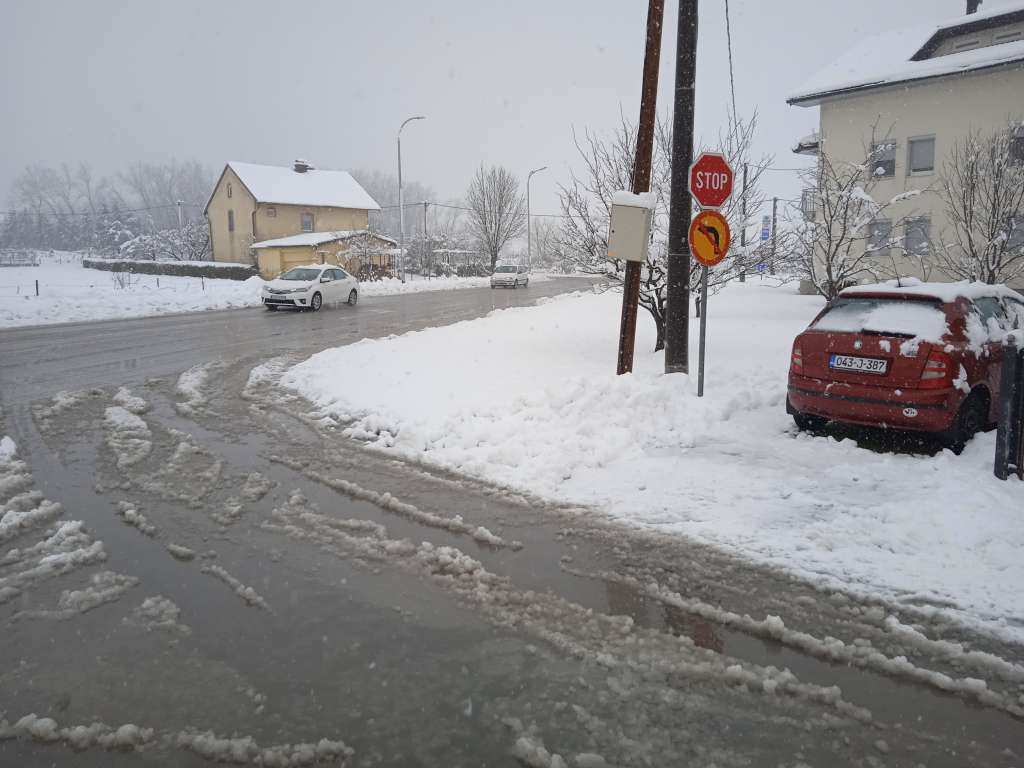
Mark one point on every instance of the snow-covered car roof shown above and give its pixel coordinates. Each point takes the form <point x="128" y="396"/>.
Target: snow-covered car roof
<point x="900" y="56"/>
<point x="946" y="292"/>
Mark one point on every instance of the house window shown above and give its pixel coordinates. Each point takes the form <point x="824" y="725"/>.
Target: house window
<point x="879" y="237"/>
<point x="921" y="156"/>
<point x="231" y="221"/>
<point x="1017" y="145"/>
<point x="917" y="237"/>
<point x="229" y="189"/>
<point x="271" y="213"/>
<point x="1015" y="238"/>
<point x="883" y="158"/>
<point x="307" y="222"/>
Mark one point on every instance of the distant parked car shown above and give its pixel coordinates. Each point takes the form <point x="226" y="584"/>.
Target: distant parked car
<point x="310" y="288"/>
<point x="924" y="357"/>
<point x="510" y="276"/>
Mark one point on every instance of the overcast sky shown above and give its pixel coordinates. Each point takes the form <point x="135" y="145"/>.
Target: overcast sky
<point x="109" y="82"/>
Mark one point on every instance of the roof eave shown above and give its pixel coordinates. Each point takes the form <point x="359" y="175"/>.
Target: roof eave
<point x="815" y="99"/>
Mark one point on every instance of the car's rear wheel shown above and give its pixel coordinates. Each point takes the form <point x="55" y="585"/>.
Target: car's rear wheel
<point x="316" y="302"/>
<point x="270" y="307"/>
<point x="808" y="423"/>
<point x="970" y="420"/>
<point x="353" y="297"/>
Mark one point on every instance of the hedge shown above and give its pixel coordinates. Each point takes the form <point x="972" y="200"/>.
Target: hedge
<point x="175" y="268"/>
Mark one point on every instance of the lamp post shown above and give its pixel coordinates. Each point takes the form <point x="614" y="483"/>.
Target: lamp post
<point x="529" y="228"/>
<point x="401" y="208"/>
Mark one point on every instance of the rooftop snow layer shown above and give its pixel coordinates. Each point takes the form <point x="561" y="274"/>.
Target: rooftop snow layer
<point x="885" y="59"/>
<point x="317" y="238"/>
<point x="285" y="186"/>
<point x="946" y="292"/>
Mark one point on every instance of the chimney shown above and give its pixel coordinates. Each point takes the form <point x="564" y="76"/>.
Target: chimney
<point x="301" y="166"/>
<point x="972" y="6"/>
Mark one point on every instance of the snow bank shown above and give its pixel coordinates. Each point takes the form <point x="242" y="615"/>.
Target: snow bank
<point x="534" y="405"/>
<point x="69" y="293"/>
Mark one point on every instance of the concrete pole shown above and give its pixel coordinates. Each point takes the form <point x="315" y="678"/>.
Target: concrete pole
<point x="529" y="226"/>
<point x="401" y="207"/>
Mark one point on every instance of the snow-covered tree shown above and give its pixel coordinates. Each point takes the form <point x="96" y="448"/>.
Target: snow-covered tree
<point x="497" y="211"/>
<point x="982" y="189"/>
<point x="852" y="235"/>
<point x="608" y="163"/>
<point x="190" y="243"/>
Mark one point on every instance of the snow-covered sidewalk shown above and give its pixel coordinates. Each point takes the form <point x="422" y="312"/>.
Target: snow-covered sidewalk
<point x="70" y="293"/>
<point x="533" y="403"/>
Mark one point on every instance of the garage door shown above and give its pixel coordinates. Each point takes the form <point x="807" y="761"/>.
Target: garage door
<point x="295" y="257"/>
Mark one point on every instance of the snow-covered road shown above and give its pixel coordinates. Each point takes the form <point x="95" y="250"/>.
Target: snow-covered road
<point x="533" y="404"/>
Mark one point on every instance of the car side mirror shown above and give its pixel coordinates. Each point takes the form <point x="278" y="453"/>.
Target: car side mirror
<point x="325" y="279"/>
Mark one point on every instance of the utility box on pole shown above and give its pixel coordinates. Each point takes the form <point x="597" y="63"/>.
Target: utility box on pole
<point x="629" y="228"/>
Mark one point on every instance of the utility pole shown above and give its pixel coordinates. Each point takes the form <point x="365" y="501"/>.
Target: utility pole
<point x="401" y="206"/>
<point x="641" y="177"/>
<point x="179" y="203"/>
<point x="529" y="227"/>
<point x="743" y="230"/>
<point x="775" y="240"/>
<point x="677" y="313"/>
<point x="426" y="243"/>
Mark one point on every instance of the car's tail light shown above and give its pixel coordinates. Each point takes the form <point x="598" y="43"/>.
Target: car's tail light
<point x="797" y="360"/>
<point x="938" y="371"/>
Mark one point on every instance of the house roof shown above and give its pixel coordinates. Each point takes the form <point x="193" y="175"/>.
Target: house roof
<point x="901" y="56"/>
<point x="319" y="238"/>
<point x="285" y="186"/>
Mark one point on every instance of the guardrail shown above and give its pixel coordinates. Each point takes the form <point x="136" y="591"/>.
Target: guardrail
<point x="1010" y="436"/>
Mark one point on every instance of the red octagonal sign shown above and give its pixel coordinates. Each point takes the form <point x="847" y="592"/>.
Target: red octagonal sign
<point x="711" y="180"/>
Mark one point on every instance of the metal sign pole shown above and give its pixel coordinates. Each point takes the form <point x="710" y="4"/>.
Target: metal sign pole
<point x="703" y="329"/>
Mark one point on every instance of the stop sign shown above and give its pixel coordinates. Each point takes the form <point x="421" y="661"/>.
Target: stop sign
<point x="711" y="180"/>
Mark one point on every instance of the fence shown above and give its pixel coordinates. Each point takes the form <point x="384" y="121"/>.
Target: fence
<point x="173" y="268"/>
<point x="19" y="259"/>
<point x="1010" y="437"/>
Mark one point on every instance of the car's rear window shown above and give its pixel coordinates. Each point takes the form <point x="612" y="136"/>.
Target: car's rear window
<point x="891" y="316"/>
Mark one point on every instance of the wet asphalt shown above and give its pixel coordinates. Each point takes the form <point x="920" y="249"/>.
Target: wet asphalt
<point x="365" y="642"/>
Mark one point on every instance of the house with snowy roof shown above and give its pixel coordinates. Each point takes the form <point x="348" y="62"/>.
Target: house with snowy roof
<point x="903" y="101"/>
<point x="252" y="204"/>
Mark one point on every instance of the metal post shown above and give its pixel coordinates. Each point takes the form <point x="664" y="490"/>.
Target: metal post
<point x="179" y="203"/>
<point x="641" y="177"/>
<point x="703" y="329"/>
<point x="426" y="241"/>
<point x="775" y="215"/>
<point x="677" y="313"/>
<point x="743" y="228"/>
<point x="529" y="225"/>
<point x="401" y="207"/>
<point x="1009" y="457"/>
<point x="37" y="287"/>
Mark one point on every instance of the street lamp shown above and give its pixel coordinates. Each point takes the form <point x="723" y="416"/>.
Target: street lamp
<point x="529" y="233"/>
<point x="401" y="208"/>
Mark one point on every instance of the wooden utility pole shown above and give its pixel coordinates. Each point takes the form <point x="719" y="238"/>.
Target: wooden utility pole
<point x="677" y="311"/>
<point x="641" y="177"/>
<point x="743" y="230"/>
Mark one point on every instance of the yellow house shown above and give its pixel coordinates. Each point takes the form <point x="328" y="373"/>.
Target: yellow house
<point x="255" y="203"/>
<point x="363" y="253"/>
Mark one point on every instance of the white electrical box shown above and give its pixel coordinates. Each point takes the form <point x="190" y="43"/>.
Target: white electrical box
<point x="629" y="231"/>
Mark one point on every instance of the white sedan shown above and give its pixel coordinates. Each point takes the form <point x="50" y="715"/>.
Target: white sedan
<point x="310" y="288"/>
<point x="510" y="276"/>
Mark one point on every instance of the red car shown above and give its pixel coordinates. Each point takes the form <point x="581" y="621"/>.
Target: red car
<point x="922" y="357"/>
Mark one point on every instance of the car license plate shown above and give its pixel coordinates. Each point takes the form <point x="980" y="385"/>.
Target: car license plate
<point x="875" y="365"/>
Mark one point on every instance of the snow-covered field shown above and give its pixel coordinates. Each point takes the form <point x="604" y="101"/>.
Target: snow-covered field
<point x="69" y="293"/>
<point x="533" y="403"/>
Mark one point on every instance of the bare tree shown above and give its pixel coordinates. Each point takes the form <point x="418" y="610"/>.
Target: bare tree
<point x="608" y="167"/>
<point x="383" y="187"/>
<point x="982" y="188"/>
<point x="497" y="212"/>
<point x="851" y="235"/>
